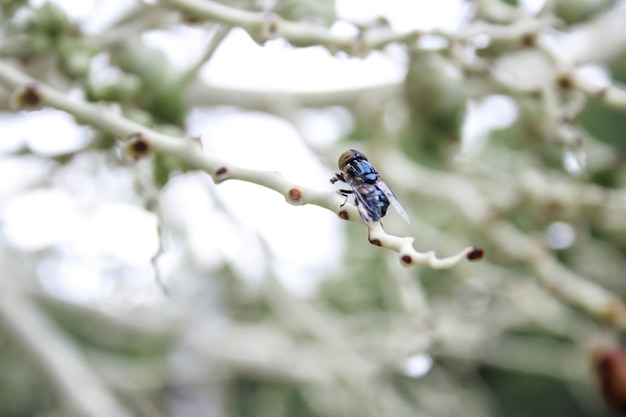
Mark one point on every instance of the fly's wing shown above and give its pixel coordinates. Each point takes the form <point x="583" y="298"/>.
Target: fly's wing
<point x="393" y="200"/>
<point x="367" y="211"/>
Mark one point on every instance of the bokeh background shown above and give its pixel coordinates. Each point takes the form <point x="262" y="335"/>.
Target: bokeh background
<point x="142" y="288"/>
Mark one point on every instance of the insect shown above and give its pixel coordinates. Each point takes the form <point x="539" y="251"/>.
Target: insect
<point x="371" y="195"/>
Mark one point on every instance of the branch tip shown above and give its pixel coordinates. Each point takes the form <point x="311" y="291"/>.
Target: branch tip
<point x="475" y="254"/>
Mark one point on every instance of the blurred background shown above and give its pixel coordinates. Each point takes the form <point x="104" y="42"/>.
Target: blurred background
<point x="142" y="288"/>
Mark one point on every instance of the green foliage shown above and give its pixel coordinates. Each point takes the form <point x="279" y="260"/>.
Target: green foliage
<point x="253" y="398"/>
<point x="522" y="395"/>
<point x="162" y="85"/>
<point x="435" y="97"/>
<point x="576" y="11"/>
<point x="9" y="7"/>
<point x="50" y="22"/>
<point x="23" y="391"/>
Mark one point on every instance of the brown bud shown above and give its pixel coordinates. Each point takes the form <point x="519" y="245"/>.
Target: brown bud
<point x="29" y="97"/>
<point x="295" y="194"/>
<point x="221" y="174"/>
<point x="476" y="254"/>
<point x="137" y="146"/>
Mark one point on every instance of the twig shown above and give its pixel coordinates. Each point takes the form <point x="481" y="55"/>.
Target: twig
<point x="217" y="37"/>
<point x="263" y="26"/>
<point x="201" y="93"/>
<point x="410" y="257"/>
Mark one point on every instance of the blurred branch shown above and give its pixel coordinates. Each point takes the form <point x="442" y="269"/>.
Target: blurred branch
<point x="60" y="359"/>
<point x="568" y="78"/>
<point x="601" y="39"/>
<point x="542" y="189"/>
<point x="218" y="36"/>
<point x="262" y="27"/>
<point x="151" y="325"/>
<point x="518" y="355"/>
<point x="557" y="279"/>
<point x="309" y="348"/>
<point x="141" y="17"/>
<point x="613" y="95"/>
<point x="200" y="93"/>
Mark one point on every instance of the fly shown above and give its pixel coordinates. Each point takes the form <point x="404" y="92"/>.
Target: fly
<point x="371" y="195"/>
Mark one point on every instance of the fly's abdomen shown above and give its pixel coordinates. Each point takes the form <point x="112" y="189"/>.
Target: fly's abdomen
<point x="376" y="202"/>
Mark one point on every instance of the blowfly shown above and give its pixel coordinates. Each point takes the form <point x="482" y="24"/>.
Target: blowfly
<point x="371" y="195"/>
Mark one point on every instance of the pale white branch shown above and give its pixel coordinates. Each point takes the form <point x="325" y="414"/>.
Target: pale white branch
<point x="410" y="257"/>
<point x="141" y="141"/>
<point x="263" y="26"/>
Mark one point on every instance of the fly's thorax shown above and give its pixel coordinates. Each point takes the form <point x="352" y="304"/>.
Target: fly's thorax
<point x="364" y="170"/>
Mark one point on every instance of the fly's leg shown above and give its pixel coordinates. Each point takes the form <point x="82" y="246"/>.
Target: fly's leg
<point x="344" y="193"/>
<point x="338" y="177"/>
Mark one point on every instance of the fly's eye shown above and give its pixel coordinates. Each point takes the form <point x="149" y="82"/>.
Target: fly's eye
<point x="345" y="158"/>
<point x="348" y="156"/>
<point x="359" y="155"/>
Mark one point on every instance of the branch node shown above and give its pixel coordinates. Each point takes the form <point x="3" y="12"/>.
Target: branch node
<point x="564" y="82"/>
<point x="294" y="196"/>
<point x="272" y="26"/>
<point x="221" y="174"/>
<point x="268" y="28"/>
<point x="529" y="40"/>
<point x="137" y="145"/>
<point x="28" y="97"/>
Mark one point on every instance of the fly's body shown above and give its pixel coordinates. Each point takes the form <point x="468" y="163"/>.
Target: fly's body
<point x="371" y="195"/>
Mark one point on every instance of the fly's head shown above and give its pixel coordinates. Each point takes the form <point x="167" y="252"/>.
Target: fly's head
<point x="349" y="156"/>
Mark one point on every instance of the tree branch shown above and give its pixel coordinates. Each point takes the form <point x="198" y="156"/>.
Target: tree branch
<point x="263" y="26"/>
<point x="141" y="141"/>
